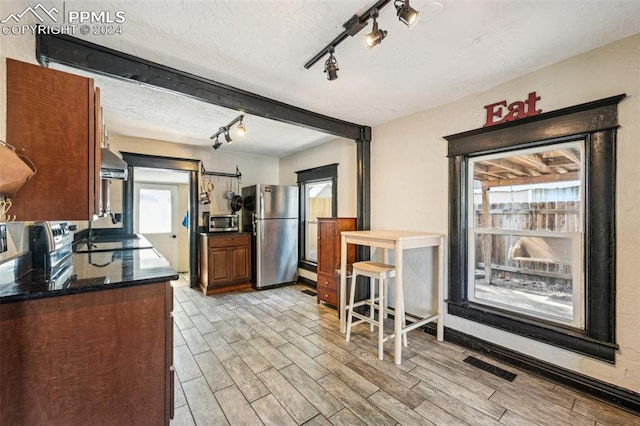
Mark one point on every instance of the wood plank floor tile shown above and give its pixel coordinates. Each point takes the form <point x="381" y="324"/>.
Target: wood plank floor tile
<point x="301" y="343"/>
<point x="598" y="410"/>
<point x="203" y="325"/>
<point x="437" y="415"/>
<point x="361" y="385"/>
<point x="271" y="412"/>
<point x="224" y="312"/>
<point x="288" y="396"/>
<point x="454" y="376"/>
<point x="331" y="348"/>
<point x="210" y="314"/>
<point x="237" y="410"/>
<point x="219" y="346"/>
<point x="186" y="367"/>
<point x="213" y="371"/>
<point x="248" y="383"/>
<point x="178" y="340"/>
<point x="182" y="320"/>
<point x="345" y="417"/>
<point x="549" y="414"/>
<point x="512" y="419"/>
<point x="269" y="335"/>
<point x="250" y="356"/>
<point x="316" y="394"/>
<point x="228" y="331"/>
<point x="318" y="420"/>
<point x="190" y="308"/>
<point x="275" y="324"/>
<point x="458" y="408"/>
<point x="310" y="366"/>
<point x="360" y="406"/>
<point x="459" y="392"/>
<point x="195" y="341"/>
<point x="397" y="410"/>
<point x="295" y="326"/>
<point x="299" y="318"/>
<point x="204" y="406"/>
<point x="178" y="395"/>
<point x="182" y="417"/>
<point x="386" y="383"/>
<point x="270" y="353"/>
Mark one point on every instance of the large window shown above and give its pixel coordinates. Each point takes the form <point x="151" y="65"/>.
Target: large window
<point x="526" y="232"/>
<point x="532" y="227"/>
<point x="318" y="198"/>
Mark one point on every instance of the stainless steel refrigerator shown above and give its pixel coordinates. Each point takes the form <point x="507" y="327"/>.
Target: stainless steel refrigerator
<point x="270" y="213"/>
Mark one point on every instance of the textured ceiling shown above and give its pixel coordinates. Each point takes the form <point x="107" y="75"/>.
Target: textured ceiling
<point x="458" y="48"/>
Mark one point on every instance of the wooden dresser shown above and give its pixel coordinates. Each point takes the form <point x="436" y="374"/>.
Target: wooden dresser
<point x="329" y="229"/>
<point x="225" y="262"/>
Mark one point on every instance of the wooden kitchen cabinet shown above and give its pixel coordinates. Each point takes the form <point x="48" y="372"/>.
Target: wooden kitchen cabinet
<point x="53" y="118"/>
<point x="329" y="229"/>
<point x="100" y="357"/>
<point x="225" y="262"/>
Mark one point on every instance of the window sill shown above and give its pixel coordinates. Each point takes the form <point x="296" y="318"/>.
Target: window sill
<point x="308" y="266"/>
<point x="563" y="338"/>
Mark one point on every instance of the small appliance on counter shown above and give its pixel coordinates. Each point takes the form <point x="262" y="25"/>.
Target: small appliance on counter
<point x="224" y="223"/>
<point x="52" y="251"/>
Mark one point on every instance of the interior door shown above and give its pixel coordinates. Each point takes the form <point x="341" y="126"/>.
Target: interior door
<point x="156" y="217"/>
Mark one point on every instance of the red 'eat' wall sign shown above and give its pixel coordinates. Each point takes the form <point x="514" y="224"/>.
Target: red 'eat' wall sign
<point x="500" y="112"/>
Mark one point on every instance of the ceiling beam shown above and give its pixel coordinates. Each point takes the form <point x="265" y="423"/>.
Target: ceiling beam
<point x="84" y="55"/>
<point x="530" y="180"/>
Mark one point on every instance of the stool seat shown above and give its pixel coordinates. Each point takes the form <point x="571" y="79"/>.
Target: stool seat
<point x="375" y="269"/>
<point x="380" y="272"/>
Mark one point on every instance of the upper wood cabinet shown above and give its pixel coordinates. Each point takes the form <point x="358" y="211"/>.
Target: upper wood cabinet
<point x="53" y="117"/>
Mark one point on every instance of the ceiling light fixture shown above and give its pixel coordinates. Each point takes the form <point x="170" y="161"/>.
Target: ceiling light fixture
<point x="376" y="35"/>
<point x="240" y="130"/>
<point x="406" y="14"/>
<point x="331" y="66"/>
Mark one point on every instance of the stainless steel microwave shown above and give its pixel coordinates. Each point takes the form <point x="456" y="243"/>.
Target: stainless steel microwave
<point x="223" y="223"/>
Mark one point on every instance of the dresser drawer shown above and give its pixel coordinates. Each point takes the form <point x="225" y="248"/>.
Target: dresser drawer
<point x="228" y="240"/>
<point x="327" y="296"/>
<point x="327" y="282"/>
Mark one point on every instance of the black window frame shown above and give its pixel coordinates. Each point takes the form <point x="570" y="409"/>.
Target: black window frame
<point x="596" y="122"/>
<point x="316" y="174"/>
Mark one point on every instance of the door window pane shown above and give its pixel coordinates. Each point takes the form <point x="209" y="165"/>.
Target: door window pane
<point x="526" y="232"/>
<point x="154" y="208"/>
<point x="318" y="203"/>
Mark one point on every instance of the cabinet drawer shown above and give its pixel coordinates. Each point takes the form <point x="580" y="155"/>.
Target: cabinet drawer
<point x="327" y="296"/>
<point x="327" y="282"/>
<point x="229" y="240"/>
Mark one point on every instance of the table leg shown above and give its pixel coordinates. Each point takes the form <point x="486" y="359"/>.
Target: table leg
<point x="343" y="283"/>
<point x="399" y="304"/>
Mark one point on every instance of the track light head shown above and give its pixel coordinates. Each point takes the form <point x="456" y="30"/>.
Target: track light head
<point x="331" y="66"/>
<point x="217" y="144"/>
<point x="241" y="129"/>
<point x="406" y="14"/>
<point x="376" y="35"/>
<point x="227" y="137"/>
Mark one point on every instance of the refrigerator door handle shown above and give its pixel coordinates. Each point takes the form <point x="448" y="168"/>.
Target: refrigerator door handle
<point x="254" y="223"/>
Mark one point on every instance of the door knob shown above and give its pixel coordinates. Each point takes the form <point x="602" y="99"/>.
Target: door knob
<point x="174" y="236"/>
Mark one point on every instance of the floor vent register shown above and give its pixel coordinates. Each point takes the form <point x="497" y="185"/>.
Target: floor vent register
<point x="309" y="293"/>
<point x="489" y="368"/>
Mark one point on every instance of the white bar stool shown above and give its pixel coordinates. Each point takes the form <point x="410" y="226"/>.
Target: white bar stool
<point x="380" y="272"/>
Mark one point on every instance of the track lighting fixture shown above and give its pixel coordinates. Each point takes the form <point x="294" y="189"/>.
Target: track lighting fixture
<point x="241" y="130"/>
<point x="406" y="14"/>
<point x="376" y="35"/>
<point x="331" y="66"/>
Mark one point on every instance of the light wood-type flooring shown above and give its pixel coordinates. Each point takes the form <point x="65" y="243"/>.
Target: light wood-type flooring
<point x="275" y="357"/>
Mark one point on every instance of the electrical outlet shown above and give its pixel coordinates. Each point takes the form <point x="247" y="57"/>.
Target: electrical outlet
<point x="3" y="238"/>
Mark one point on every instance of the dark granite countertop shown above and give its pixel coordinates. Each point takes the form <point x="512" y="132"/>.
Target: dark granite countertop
<point x="91" y="271"/>
<point x="223" y="234"/>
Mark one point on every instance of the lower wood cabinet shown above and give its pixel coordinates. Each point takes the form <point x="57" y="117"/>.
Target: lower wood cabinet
<point x="96" y="358"/>
<point x="225" y="262"/>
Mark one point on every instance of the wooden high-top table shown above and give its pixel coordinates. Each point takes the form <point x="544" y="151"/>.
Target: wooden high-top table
<point x="397" y="241"/>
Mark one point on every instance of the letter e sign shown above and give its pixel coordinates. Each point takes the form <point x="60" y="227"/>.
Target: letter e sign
<point x="500" y="112"/>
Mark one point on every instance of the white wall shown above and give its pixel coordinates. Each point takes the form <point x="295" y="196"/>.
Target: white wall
<point x="409" y="168"/>
<point x="341" y="151"/>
